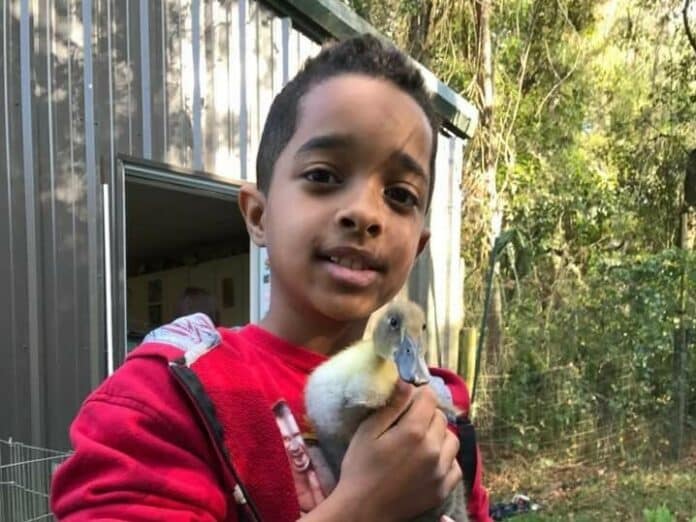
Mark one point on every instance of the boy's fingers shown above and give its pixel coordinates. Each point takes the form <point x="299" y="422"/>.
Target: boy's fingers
<point x="448" y="453"/>
<point x="386" y="417"/>
<point x="438" y="424"/>
<point x="423" y="412"/>
<point x="453" y="478"/>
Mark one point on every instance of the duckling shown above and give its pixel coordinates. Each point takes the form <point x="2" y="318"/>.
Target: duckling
<point x="344" y="390"/>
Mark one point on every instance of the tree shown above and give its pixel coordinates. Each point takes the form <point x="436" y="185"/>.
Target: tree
<point x="488" y="165"/>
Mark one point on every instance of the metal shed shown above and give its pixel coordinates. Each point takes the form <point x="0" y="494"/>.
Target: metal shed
<point x="106" y="102"/>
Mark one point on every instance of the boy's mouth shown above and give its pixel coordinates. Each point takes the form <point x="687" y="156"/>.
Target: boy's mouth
<point x="352" y="267"/>
<point x="354" y="263"/>
<point x="352" y="258"/>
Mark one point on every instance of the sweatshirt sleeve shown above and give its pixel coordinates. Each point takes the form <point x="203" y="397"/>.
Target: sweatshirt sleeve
<point x="140" y="454"/>
<point x="477" y="501"/>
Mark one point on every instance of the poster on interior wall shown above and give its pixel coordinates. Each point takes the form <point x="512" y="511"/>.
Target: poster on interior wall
<point x="264" y="282"/>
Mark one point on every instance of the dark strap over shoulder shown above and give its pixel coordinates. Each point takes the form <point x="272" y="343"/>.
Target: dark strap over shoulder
<point x="246" y="510"/>
<point x="467" y="456"/>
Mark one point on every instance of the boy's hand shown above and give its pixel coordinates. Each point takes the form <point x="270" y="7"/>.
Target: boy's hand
<point x="402" y="460"/>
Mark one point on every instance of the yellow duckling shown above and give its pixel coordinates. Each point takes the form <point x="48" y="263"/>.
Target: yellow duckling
<point x="344" y="390"/>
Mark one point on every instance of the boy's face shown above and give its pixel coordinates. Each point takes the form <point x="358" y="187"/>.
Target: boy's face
<point x="343" y="219"/>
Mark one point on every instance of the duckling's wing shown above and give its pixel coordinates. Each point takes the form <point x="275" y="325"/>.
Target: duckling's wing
<point x="456" y="504"/>
<point x="454" y="507"/>
<point x="333" y="450"/>
<point x="444" y="398"/>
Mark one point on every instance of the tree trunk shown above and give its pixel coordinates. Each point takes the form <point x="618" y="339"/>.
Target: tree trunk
<point x="418" y="29"/>
<point x="680" y="351"/>
<point x="488" y="152"/>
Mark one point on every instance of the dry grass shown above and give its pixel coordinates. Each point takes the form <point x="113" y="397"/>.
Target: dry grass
<point x="597" y="491"/>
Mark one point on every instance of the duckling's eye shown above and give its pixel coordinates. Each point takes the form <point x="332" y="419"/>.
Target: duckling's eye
<point x="394" y="323"/>
<point x="423" y="327"/>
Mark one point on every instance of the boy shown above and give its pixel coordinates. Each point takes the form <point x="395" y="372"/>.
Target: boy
<point x="186" y="429"/>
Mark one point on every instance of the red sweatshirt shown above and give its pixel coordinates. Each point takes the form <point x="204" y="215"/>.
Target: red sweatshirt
<point x="185" y="431"/>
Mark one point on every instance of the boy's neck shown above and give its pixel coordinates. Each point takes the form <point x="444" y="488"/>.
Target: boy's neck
<point x="315" y="332"/>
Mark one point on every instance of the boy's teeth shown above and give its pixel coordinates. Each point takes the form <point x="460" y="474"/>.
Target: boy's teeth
<point x="357" y="264"/>
<point x="348" y="262"/>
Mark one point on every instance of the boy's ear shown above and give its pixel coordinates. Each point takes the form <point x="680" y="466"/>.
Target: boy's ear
<point x="252" y="205"/>
<point x="423" y="241"/>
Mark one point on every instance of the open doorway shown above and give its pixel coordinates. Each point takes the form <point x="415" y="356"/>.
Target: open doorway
<point x="184" y="249"/>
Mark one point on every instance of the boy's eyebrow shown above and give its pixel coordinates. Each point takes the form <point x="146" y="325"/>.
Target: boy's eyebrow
<point x="337" y="141"/>
<point x="409" y="163"/>
<point x="326" y="141"/>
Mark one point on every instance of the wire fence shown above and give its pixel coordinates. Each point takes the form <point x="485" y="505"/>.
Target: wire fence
<point x="579" y="447"/>
<point x="556" y="412"/>
<point x="25" y="479"/>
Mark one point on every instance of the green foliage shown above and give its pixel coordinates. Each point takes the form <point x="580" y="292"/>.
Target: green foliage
<point x="597" y="353"/>
<point x="599" y="156"/>
<point x="595" y="117"/>
<point x="661" y="514"/>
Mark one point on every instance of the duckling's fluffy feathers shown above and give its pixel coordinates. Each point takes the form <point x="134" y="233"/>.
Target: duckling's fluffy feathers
<point x="343" y="391"/>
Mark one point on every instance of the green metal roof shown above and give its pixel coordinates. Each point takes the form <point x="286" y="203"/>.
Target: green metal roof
<point x="322" y="19"/>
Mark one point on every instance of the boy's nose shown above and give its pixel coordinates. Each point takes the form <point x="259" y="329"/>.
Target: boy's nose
<point x="362" y="215"/>
<point x="355" y="223"/>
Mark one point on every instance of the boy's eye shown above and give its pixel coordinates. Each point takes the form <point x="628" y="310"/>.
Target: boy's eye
<point x="321" y="176"/>
<point x="401" y="196"/>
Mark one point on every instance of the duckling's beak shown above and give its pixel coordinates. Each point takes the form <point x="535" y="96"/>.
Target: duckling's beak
<point x="410" y="362"/>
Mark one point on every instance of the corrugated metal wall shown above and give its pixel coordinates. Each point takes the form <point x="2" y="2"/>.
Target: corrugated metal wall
<point x="50" y="307"/>
<point x="185" y="82"/>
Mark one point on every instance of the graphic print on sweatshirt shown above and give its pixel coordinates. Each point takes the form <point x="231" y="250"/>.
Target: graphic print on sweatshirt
<point x="313" y="478"/>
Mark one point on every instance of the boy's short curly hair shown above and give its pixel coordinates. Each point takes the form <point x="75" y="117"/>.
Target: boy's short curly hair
<point x="364" y="54"/>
